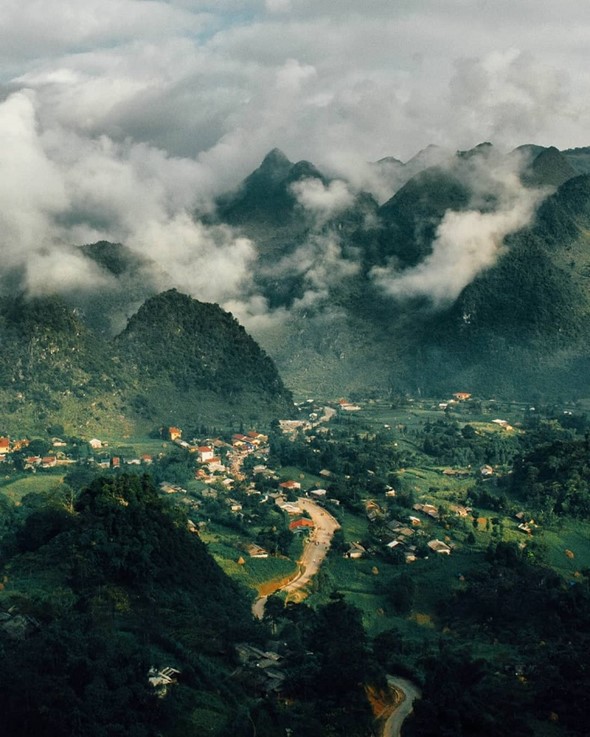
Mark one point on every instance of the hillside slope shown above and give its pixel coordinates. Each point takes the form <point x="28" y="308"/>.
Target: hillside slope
<point x="178" y="361"/>
<point x="519" y="326"/>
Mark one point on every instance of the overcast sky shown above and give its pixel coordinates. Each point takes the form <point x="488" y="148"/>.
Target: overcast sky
<point x="118" y="116"/>
<point x="227" y="80"/>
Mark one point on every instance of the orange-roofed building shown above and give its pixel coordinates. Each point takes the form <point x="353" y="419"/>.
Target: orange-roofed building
<point x="301" y="524"/>
<point x="290" y="485"/>
<point x="4" y="446"/>
<point x="205" y="453"/>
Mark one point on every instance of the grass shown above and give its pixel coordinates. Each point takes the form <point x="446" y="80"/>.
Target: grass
<point x="16" y="488"/>
<point x="307" y="480"/>
<point x="227" y="546"/>
<point x="571" y="535"/>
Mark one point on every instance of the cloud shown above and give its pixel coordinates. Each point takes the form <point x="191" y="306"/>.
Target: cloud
<point x="120" y="118"/>
<point x="322" y="200"/>
<point x="467" y="242"/>
<point x="58" y="190"/>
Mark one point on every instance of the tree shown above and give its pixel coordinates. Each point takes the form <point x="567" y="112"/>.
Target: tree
<point x="401" y="592"/>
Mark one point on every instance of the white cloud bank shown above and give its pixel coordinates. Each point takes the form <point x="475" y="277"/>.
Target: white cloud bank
<point x="467" y="242"/>
<point x="118" y="118"/>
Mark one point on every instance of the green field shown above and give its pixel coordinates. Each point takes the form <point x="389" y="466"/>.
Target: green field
<point x="15" y="488"/>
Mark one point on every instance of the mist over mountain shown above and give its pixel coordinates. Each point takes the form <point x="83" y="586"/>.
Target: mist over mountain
<point x="471" y="272"/>
<point x="462" y="277"/>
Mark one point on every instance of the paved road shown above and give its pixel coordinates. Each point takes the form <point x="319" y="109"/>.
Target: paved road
<point x="411" y="692"/>
<point x="314" y="552"/>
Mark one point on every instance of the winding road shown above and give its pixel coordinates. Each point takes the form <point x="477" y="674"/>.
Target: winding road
<point x="411" y="692"/>
<point x="314" y="552"/>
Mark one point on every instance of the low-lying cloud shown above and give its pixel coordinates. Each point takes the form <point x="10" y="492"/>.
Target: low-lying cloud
<point x="120" y="119"/>
<point x="469" y="241"/>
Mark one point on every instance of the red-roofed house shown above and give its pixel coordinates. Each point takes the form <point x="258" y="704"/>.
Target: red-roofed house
<point x="4" y="446"/>
<point x="290" y="485"/>
<point x="301" y="524"/>
<point x="205" y="453"/>
<point x="174" y="433"/>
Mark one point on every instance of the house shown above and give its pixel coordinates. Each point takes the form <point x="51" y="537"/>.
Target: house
<point x="300" y="525"/>
<point x="319" y="493"/>
<point x="428" y="509"/>
<point x="95" y="443"/>
<point x="58" y="443"/>
<point x="255" y="551"/>
<point x="4" y="446"/>
<point x="438" y="546"/>
<point x="347" y="406"/>
<point x="162" y="679"/>
<point x="49" y="462"/>
<point x="290" y="485"/>
<point x="486" y="471"/>
<point x="286" y="506"/>
<point x="415" y="521"/>
<point x="504" y="424"/>
<point x="215" y="464"/>
<point x="257" y="438"/>
<point x="174" y="433"/>
<point x="205" y="453"/>
<point x="461" y="396"/>
<point x="115" y="462"/>
<point x="355" y="551"/>
<point x="147" y="459"/>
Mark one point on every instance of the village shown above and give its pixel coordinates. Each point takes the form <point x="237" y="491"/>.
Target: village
<point x="230" y="477"/>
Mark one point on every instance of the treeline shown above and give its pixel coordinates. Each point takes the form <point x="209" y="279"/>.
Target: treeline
<point x="555" y="478"/>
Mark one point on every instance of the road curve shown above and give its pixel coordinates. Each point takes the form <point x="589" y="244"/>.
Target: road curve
<point x="411" y="692"/>
<point x="314" y="552"/>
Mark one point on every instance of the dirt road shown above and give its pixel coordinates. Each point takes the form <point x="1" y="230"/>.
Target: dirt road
<point x="411" y="692"/>
<point x="314" y="552"/>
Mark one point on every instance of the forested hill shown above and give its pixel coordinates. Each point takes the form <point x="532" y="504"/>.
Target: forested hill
<point x="195" y="346"/>
<point x="179" y="362"/>
<point x="518" y="326"/>
<point x="103" y="592"/>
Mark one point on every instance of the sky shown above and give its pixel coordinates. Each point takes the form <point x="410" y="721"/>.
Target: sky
<point x="119" y="117"/>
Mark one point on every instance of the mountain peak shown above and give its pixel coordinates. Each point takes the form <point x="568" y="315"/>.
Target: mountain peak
<point x="275" y="160"/>
<point x="549" y="168"/>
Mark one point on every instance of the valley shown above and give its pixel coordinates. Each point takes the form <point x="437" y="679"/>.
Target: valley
<point x="396" y="485"/>
<point x="419" y="491"/>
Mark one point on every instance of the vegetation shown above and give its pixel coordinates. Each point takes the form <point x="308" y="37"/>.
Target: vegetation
<point x="132" y="588"/>
<point x="55" y="369"/>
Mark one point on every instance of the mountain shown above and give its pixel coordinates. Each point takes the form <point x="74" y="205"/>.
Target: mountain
<point x="518" y="327"/>
<point x="129" y="279"/>
<point x="579" y="158"/>
<point x="549" y="168"/>
<point x="178" y="361"/>
<point x="113" y="591"/>
<point x="189" y="355"/>
<point x="410" y="218"/>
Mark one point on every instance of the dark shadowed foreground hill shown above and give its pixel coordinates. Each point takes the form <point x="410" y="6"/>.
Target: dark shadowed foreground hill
<point x="106" y="594"/>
